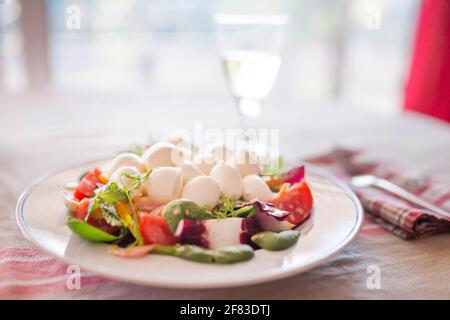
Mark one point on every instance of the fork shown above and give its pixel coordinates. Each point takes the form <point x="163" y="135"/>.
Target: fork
<point x="367" y="180"/>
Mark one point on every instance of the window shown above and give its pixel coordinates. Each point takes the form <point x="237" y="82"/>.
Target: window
<point x="353" y="51"/>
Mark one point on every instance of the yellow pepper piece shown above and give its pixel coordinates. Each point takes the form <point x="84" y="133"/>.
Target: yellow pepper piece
<point x="274" y="183"/>
<point x="124" y="211"/>
<point x="103" y="179"/>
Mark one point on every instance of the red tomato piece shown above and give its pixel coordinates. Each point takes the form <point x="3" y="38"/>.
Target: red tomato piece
<point x="297" y="200"/>
<point x="88" y="184"/>
<point x="154" y="230"/>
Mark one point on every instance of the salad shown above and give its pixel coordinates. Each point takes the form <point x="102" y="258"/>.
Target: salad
<point x="216" y="207"/>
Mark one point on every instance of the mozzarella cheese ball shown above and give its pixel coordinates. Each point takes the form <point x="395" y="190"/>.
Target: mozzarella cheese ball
<point x="119" y="177"/>
<point x="161" y="154"/>
<point x="126" y="159"/>
<point x="189" y="170"/>
<point x="164" y="184"/>
<point x="256" y="188"/>
<point x="246" y="162"/>
<point x="205" y="162"/>
<point x="223" y="232"/>
<point x="229" y="179"/>
<point x="220" y="152"/>
<point x="203" y="190"/>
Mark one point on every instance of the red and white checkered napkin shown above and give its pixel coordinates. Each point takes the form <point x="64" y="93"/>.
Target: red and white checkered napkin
<point x="395" y="215"/>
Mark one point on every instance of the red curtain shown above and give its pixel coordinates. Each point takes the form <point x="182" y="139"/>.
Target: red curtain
<point x="428" y="87"/>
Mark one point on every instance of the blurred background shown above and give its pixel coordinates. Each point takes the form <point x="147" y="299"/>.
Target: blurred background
<point x="355" y="52"/>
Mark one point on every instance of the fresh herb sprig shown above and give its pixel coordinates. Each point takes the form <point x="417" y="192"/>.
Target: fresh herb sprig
<point x="134" y="221"/>
<point x="137" y="179"/>
<point x="224" y="210"/>
<point x="230" y="209"/>
<point x="104" y="199"/>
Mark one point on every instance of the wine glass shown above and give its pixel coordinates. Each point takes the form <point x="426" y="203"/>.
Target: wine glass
<point x="250" y="51"/>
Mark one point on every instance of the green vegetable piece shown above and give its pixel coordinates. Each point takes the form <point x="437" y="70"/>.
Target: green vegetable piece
<point x="233" y="254"/>
<point x="273" y="241"/>
<point x="224" y="255"/>
<point x="194" y="253"/>
<point x="89" y="232"/>
<point x="187" y="252"/>
<point x="180" y="209"/>
<point x="245" y="212"/>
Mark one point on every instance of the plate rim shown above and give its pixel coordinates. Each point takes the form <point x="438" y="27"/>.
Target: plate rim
<point x="21" y="224"/>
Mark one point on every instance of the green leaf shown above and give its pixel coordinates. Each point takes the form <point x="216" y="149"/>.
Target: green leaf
<point x="245" y="212"/>
<point x="111" y="193"/>
<point x="105" y="198"/>
<point x="110" y="214"/>
<point x="89" y="232"/>
<point x="273" y="241"/>
<point x="133" y="226"/>
<point x="138" y="179"/>
<point x="224" y="210"/>
<point x="180" y="209"/>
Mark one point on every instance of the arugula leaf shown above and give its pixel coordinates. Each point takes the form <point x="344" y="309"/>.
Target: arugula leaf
<point x="224" y="210"/>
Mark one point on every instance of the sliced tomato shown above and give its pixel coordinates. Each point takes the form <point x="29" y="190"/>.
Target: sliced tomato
<point x="88" y="184"/>
<point x="154" y="230"/>
<point x="82" y="209"/>
<point x="297" y="200"/>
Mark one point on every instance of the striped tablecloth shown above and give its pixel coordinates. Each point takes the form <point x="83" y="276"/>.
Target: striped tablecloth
<point x="41" y="132"/>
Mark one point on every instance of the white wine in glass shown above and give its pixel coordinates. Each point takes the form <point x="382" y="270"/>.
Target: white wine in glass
<point x="250" y="76"/>
<point x="249" y="49"/>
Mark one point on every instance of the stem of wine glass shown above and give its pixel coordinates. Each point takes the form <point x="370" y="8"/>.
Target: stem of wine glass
<point x="248" y="109"/>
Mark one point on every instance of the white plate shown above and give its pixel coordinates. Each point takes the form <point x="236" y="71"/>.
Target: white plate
<point x="337" y="219"/>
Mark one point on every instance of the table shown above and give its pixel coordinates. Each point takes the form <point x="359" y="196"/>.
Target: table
<point x="40" y="131"/>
